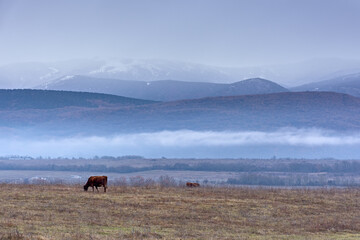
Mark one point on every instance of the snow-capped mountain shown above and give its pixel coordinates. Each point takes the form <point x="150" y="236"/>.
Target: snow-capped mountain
<point x="152" y="70"/>
<point x="30" y="75"/>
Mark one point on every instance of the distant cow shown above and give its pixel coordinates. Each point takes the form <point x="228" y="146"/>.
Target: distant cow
<point x="190" y="184"/>
<point x="96" y="181"/>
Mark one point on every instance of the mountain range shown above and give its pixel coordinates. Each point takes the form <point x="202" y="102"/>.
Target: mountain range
<point x="101" y="102"/>
<point x="165" y="90"/>
<point x="170" y="90"/>
<point x="101" y="114"/>
<point x="30" y="75"/>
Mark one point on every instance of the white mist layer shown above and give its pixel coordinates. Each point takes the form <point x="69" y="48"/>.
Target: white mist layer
<point x="179" y="143"/>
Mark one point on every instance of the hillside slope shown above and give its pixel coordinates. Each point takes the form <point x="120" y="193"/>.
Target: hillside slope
<point x="349" y="84"/>
<point x="164" y="90"/>
<point x="252" y="112"/>
<point x="41" y="99"/>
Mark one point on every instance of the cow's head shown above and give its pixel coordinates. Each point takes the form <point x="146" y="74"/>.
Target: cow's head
<point x="86" y="187"/>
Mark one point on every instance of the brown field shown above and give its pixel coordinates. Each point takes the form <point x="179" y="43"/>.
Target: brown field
<point x="67" y="212"/>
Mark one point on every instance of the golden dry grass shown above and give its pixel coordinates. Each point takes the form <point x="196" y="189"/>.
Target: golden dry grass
<point x="67" y="212"/>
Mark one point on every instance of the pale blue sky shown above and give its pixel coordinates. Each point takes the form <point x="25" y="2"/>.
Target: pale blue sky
<point x="215" y="32"/>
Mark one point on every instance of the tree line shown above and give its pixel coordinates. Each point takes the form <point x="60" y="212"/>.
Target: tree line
<point x="292" y="167"/>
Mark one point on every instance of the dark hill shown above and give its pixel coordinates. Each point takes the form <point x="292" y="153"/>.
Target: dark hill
<point x="45" y="99"/>
<point x="234" y="113"/>
<point x="252" y="86"/>
<point x="165" y="90"/>
<point x="261" y="112"/>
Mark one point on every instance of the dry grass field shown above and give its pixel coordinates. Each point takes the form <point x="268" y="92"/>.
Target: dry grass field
<point x="67" y="212"/>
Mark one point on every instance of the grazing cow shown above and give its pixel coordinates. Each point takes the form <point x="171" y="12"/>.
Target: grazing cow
<point x="96" y="181"/>
<point x="190" y="184"/>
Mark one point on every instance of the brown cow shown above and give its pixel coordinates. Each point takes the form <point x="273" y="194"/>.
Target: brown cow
<point x="96" y="181"/>
<point x="190" y="184"/>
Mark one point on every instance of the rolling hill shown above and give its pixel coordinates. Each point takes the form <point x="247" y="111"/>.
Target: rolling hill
<point x="349" y="84"/>
<point x="165" y="90"/>
<point x="19" y="99"/>
<point x="233" y="113"/>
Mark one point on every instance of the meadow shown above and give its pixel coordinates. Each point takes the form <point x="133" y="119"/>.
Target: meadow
<point x="156" y="212"/>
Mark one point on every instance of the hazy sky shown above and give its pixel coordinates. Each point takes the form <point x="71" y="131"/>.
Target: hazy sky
<point x="215" y="32"/>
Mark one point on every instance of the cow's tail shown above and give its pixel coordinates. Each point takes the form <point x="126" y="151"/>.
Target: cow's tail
<point x="105" y="183"/>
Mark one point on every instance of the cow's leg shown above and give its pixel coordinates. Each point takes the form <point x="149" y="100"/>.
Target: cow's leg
<point x="104" y="188"/>
<point x="97" y="188"/>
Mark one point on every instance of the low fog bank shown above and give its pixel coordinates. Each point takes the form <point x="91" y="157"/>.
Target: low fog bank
<point x="293" y="143"/>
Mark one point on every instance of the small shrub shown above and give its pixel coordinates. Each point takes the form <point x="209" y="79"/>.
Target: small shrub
<point x="166" y="181"/>
<point x="137" y="181"/>
<point x="149" y="182"/>
<point x="122" y="182"/>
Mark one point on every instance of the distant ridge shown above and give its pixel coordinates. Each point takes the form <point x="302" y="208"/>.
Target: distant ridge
<point x="164" y="90"/>
<point x="32" y="74"/>
<point x="349" y="84"/>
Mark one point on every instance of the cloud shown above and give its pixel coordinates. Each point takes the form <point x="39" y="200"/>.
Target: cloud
<point x="145" y="143"/>
<point x="305" y="137"/>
